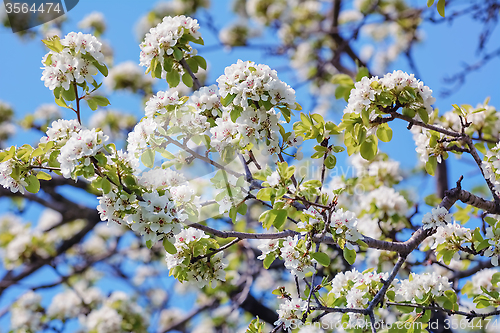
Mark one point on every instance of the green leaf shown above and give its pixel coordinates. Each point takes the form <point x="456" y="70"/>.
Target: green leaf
<point x="482" y="245"/>
<point x="156" y="68"/>
<point x="168" y="64"/>
<point x="268" y="260"/>
<point x="169" y="247"/>
<point x="409" y="112"/>
<point x="37" y="152"/>
<point x="384" y="133"/>
<point x="102" y="68"/>
<point x="429" y="3"/>
<point x="149" y="244"/>
<point x="423" y="115"/>
<point x="199" y="41"/>
<point x="187" y="79"/>
<point x="363" y="71"/>
<point x="368" y="149"/>
<point x="228" y="99"/>
<point x="105" y="185"/>
<point x="33" y="184"/>
<point x="177" y="54"/>
<point x="342" y="79"/>
<point x="322" y="258"/>
<point x="477" y="235"/>
<point x="440" y="7"/>
<point x="101" y="100"/>
<point x="61" y="102"/>
<point x="349" y="255"/>
<point x="69" y="94"/>
<point x="431" y="165"/>
<point x="201" y="61"/>
<point x="265" y="194"/>
<point x="54" y="44"/>
<point x="432" y="200"/>
<point x="330" y="161"/>
<point x="148" y="158"/>
<point x="495" y="279"/>
<point x="280" y="216"/>
<point x="92" y="104"/>
<point x="193" y="65"/>
<point x="173" y="79"/>
<point x="490" y="220"/>
<point x="43" y="175"/>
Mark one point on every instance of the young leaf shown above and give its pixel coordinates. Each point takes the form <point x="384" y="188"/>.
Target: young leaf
<point x="349" y="255"/>
<point x="321" y="258"/>
<point x="43" y="175"/>
<point x="201" y="61"/>
<point x="169" y="247"/>
<point x="440" y="7"/>
<point x="148" y="158"/>
<point x="33" y="184"/>
<point x="431" y="165"/>
<point x="384" y="133"/>
<point x="268" y="260"/>
<point x="173" y="79"/>
<point x="187" y="79"/>
<point x="368" y="149"/>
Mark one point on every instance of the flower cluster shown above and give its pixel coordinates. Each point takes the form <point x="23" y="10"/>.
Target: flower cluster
<point x="251" y="93"/>
<point x="26" y="313"/>
<point x="381" y="168"/>
<point x="269" y="246"/>
<point x="480" y="280"/>
<point x="71" y="303"/>
<point x="295" y="259"/>
<point x="439" y="217"/>
<point x="386" y="200"/>
<point x="116" y="124"/>
<point x="483" y="118"/>
<point x="397" y="87"/>
<point x="354" y="289"/>
<point x="293" y="253"/>
<point x="493" y="237"/>
<point x="343" y="227"/>
<point x="80" y="147"/>
<point x="140" y="137"/>
<point x="168" y="37"/>
<point x="118" y="313"/>
<point x="192" y="263"/>
<point x="207" y="101"/>
<point x="428" y="144"/>
<point x="447" y="241"/>
<point x="7" y="181"/>
<point x="160" y="212"/>
<point x="76" y="57"/>
<point x="310" y="216"/>
<point x="60" y="131"/>
<point x="418" y="286"/>
<point x="169" y="114"/>
<point x="128" y="75"/>
<point x="162" y="102"/>
<point x="290" y="313"/>
<point x="250" y="82"/>
<point x="449" y="232"/>
<point x="491" y="166"/>
<point x="94" y="20"/>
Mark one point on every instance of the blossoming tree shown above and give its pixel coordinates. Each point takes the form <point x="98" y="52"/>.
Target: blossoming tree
<point x="226" y="188"/>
